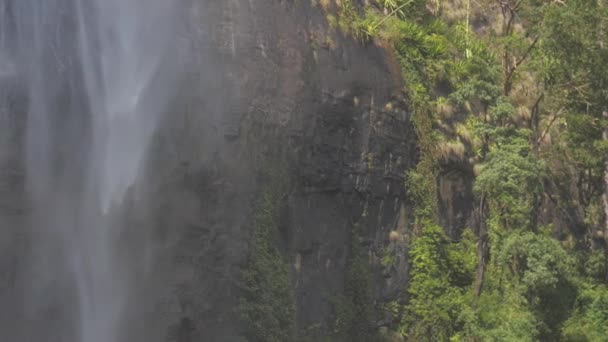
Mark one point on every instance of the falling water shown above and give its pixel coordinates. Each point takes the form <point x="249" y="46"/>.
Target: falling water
<point x="97" y="75"/>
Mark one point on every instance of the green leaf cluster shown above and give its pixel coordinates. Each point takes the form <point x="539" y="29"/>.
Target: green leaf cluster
<point x="267" y="302"/>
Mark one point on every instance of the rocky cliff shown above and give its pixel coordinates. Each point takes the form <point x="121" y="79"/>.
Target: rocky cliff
<point x="272" y="94"/>
<point x="275" y="92"/>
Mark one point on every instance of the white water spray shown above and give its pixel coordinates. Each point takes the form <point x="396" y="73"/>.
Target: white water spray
<point x="98" y="74"/>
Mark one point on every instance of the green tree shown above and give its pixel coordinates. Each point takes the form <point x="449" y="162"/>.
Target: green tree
<point x="440" y="273"/>
<point x="574" y="50"/>
<point x="355" y="309"/>
<point x="517" y="89"/>
<point x="267" y="303"/>
<point x="590" y="318"/>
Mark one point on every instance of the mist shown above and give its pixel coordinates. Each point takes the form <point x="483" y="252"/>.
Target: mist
<point x="94" y="78"/>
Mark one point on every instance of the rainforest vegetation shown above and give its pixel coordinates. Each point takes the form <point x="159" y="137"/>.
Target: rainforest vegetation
<point x="516" y="92"/>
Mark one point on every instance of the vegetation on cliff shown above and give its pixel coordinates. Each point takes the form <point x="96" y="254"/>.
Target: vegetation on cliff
<point x="515" y="91"/>
<point x="267" y="303"/>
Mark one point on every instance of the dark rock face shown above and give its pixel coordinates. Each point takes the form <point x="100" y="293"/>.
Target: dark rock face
<point x="456" y="199"/>
<point x="267" y="82"/>
<point x="334" y="116"/>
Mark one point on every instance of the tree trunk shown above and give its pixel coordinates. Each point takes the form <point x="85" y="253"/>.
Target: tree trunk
<point x="483" y="249"/>
<point x="605" y="198"/>
<point x="536" y="196"/>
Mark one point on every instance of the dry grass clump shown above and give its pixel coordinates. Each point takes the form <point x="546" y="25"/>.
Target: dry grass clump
<point x="444" y="109"/>
<point x="464" y="133"/>
<point x="325" y="4"/>
<point x="452" y="150"/>
<point x="394" y="236"/>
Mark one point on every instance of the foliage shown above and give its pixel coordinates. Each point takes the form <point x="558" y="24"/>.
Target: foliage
<point x="354" y="310"/>
<point x="267" y="304"/>
<point x="595" y="266"/>
<point x="441" y="271"/>
<point x="537" y="262"/>
<point x="529" y="293"/>
<point x="510" y="176"/>
<point x="590" y="318"/>
<point x="519" y="88"/>
<point x="499" y="317"/>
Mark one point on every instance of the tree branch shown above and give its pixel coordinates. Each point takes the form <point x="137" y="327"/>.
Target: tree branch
<point x="511" y="70"/>
<point x="546" y="131"/>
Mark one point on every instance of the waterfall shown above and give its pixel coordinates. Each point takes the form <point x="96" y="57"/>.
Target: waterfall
<point x="98" y="75"/>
